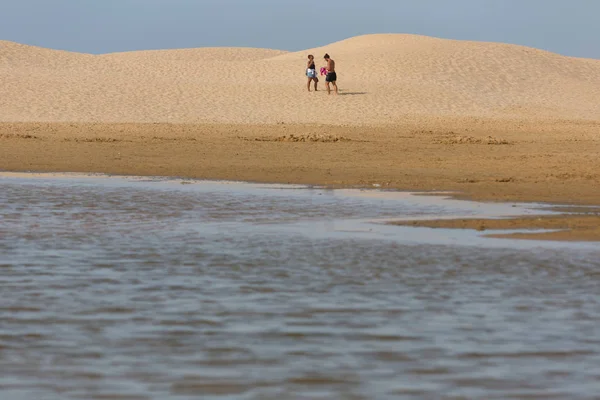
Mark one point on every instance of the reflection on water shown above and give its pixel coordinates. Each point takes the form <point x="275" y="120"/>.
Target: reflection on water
<point x="128" y="289"/>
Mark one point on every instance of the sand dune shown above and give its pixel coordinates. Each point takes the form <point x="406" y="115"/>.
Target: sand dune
<point x="384" y="79"/>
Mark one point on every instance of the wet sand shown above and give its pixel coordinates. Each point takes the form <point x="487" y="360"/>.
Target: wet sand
<point x="483" y="160"/>
<point x="564" y="227"/>
<point x="556" y="163"/>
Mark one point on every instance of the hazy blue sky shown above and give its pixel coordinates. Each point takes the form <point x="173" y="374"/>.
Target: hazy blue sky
<point x="568" y="27"/>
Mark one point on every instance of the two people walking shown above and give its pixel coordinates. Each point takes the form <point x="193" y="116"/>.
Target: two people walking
<point x="330" y="77"/>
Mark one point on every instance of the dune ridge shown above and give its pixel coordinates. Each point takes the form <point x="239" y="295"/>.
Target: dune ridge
<point x="384" y="79"/>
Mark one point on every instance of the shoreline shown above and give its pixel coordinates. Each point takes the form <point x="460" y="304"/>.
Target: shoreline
<point x="499" y="161"/>
<point x="573" y="227"/>
<point x="558" y="223"/>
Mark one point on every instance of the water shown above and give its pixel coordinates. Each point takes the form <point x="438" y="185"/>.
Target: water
<point x="123" y="288"/>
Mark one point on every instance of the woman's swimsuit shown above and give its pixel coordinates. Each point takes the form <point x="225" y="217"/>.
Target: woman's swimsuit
<point x="311" y="72"/>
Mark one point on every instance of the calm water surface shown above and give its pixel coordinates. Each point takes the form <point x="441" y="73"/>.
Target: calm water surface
<point x="122" y="288"/>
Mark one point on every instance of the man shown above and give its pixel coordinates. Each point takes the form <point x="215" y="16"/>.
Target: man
<point x="331" y="77"/>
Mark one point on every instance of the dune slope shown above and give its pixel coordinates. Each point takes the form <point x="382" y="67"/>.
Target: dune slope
<point x="384" y="79"/>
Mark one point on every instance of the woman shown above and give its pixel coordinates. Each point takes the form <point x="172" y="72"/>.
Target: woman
<point x="311" y="72"/>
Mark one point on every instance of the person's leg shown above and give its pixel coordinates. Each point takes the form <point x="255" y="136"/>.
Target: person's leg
<point x="335" y="87"/>
<point x="327" y="86"/>
<point x="308" y="84"/>
<point x="316" y="84"/>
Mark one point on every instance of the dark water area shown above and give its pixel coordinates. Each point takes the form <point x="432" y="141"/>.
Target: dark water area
<point x="130" y="288"/>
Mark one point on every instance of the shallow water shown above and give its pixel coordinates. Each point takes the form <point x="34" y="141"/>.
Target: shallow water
<point x="129" y="288"/>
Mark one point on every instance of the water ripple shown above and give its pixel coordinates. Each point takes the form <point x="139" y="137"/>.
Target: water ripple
<point x="131" y="290"/>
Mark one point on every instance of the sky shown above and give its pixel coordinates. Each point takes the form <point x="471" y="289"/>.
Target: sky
<point x="568" y="27"/>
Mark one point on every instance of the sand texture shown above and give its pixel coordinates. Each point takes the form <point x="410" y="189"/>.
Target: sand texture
<point x="384" y="79"/>
<point x="539" y="162"/>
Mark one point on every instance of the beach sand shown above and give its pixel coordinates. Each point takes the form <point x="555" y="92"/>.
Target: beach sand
<point x="575" y="226"/>
<point x="385" y="79"/>
<point x="491" y="121"/>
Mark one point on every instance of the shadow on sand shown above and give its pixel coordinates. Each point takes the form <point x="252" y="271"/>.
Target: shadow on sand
<point x="342" y="93"/>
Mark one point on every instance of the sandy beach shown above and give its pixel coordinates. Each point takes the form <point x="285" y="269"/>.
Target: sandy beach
<point x="489" y="121"/>
<point x="384" y="79"/>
